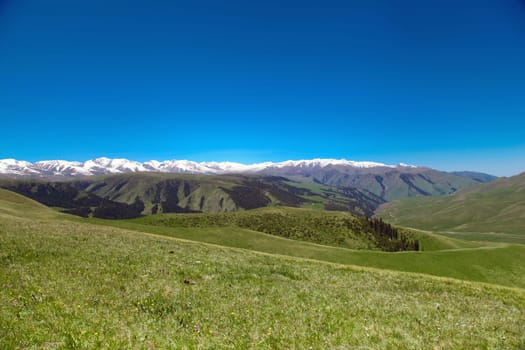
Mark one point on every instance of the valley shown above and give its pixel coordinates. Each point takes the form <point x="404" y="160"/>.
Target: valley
<point x="494" y="211"/>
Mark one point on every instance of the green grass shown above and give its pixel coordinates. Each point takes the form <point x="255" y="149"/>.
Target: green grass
<point x="12" y="204"/>
<point x="72" y="285"/>
<point x="322" y="193"/>
<point x="389" y="184"/>
<point x="494" y="211"/>
<point x="433" y="242"/>
<point x="322" y="227"/>
<point x="482" y="262"/>
<point x="486" y="237"/>
<point x="339" y="229"/>
<point x="442" y="256"/>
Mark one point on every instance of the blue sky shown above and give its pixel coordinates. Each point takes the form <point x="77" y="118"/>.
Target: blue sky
<point x="438" y="82"/>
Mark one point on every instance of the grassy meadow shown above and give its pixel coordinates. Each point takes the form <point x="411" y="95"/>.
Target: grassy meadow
<point x="498" y="263"/>
<point x="72" y="284"/>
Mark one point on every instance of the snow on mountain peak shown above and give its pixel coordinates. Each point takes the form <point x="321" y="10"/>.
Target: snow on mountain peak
<point x="323" y="162"/>
<point x="15" y="167"/>
<point x="105" y="165"/>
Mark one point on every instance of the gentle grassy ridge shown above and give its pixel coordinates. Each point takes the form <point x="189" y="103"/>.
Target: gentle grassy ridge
<point x="322" y="227"/>
<point x="70" y="285"/>
<point x="485" y="237"/>
<point x="431" y="242"/>
<point x="490" y="263"/>
<point x="13" y="204"/>
<point x="339" y="229"/>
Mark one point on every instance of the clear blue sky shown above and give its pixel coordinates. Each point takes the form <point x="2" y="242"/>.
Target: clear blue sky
<point x="436" y="82"/>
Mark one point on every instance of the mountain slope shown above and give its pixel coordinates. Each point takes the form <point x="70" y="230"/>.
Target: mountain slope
<point x="476" y="176"/>
<point x="497" y="207"/>
<point x="133" y="194"/>
<point x="14" y="204"/>
<point x="67" y="198"/>
<point x="223" y="193"/>
<point x="389" y="183"/>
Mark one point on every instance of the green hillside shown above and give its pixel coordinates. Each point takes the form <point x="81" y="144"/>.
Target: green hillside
<point x="133" y="194"/>
<point x="494" y="211"/>
<point x="441" y="256"/>
<point x="385" y="182"/>
<point x="72" y="285"/>
<point x="13" y="204"/>
<point x="323" y="227"/>
<point x="224" y="193"/>
<point x="479" y="177"/>
<point x="489" y="263"/>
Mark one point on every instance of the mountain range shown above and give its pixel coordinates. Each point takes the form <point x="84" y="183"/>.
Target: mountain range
<point x="101" y="166"/>
<point x="388" y="182"/>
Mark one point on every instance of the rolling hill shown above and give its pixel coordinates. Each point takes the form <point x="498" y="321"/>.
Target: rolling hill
<point x="492" y="211"/>
<point x="71" y="284"/>
<point x="496" y="263"/>
<point x="333" y="228"/>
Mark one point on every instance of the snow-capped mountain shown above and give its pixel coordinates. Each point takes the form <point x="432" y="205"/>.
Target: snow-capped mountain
<point x="17" y="167"/>
<point x="98" y="166"/>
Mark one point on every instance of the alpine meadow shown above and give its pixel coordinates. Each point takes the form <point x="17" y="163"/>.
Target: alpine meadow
<point x="262" y="175"/>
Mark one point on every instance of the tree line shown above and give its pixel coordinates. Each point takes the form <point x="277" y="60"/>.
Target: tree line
<point x="389" y="238"/>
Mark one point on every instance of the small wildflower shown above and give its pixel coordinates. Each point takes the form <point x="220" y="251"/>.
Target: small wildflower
<point x="197" y="328"/>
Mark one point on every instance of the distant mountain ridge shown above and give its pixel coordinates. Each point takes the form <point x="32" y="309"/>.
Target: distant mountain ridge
<point x="475" y="176"/>
<point x="103" y="166"/>
<point x="388" y="182"/>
